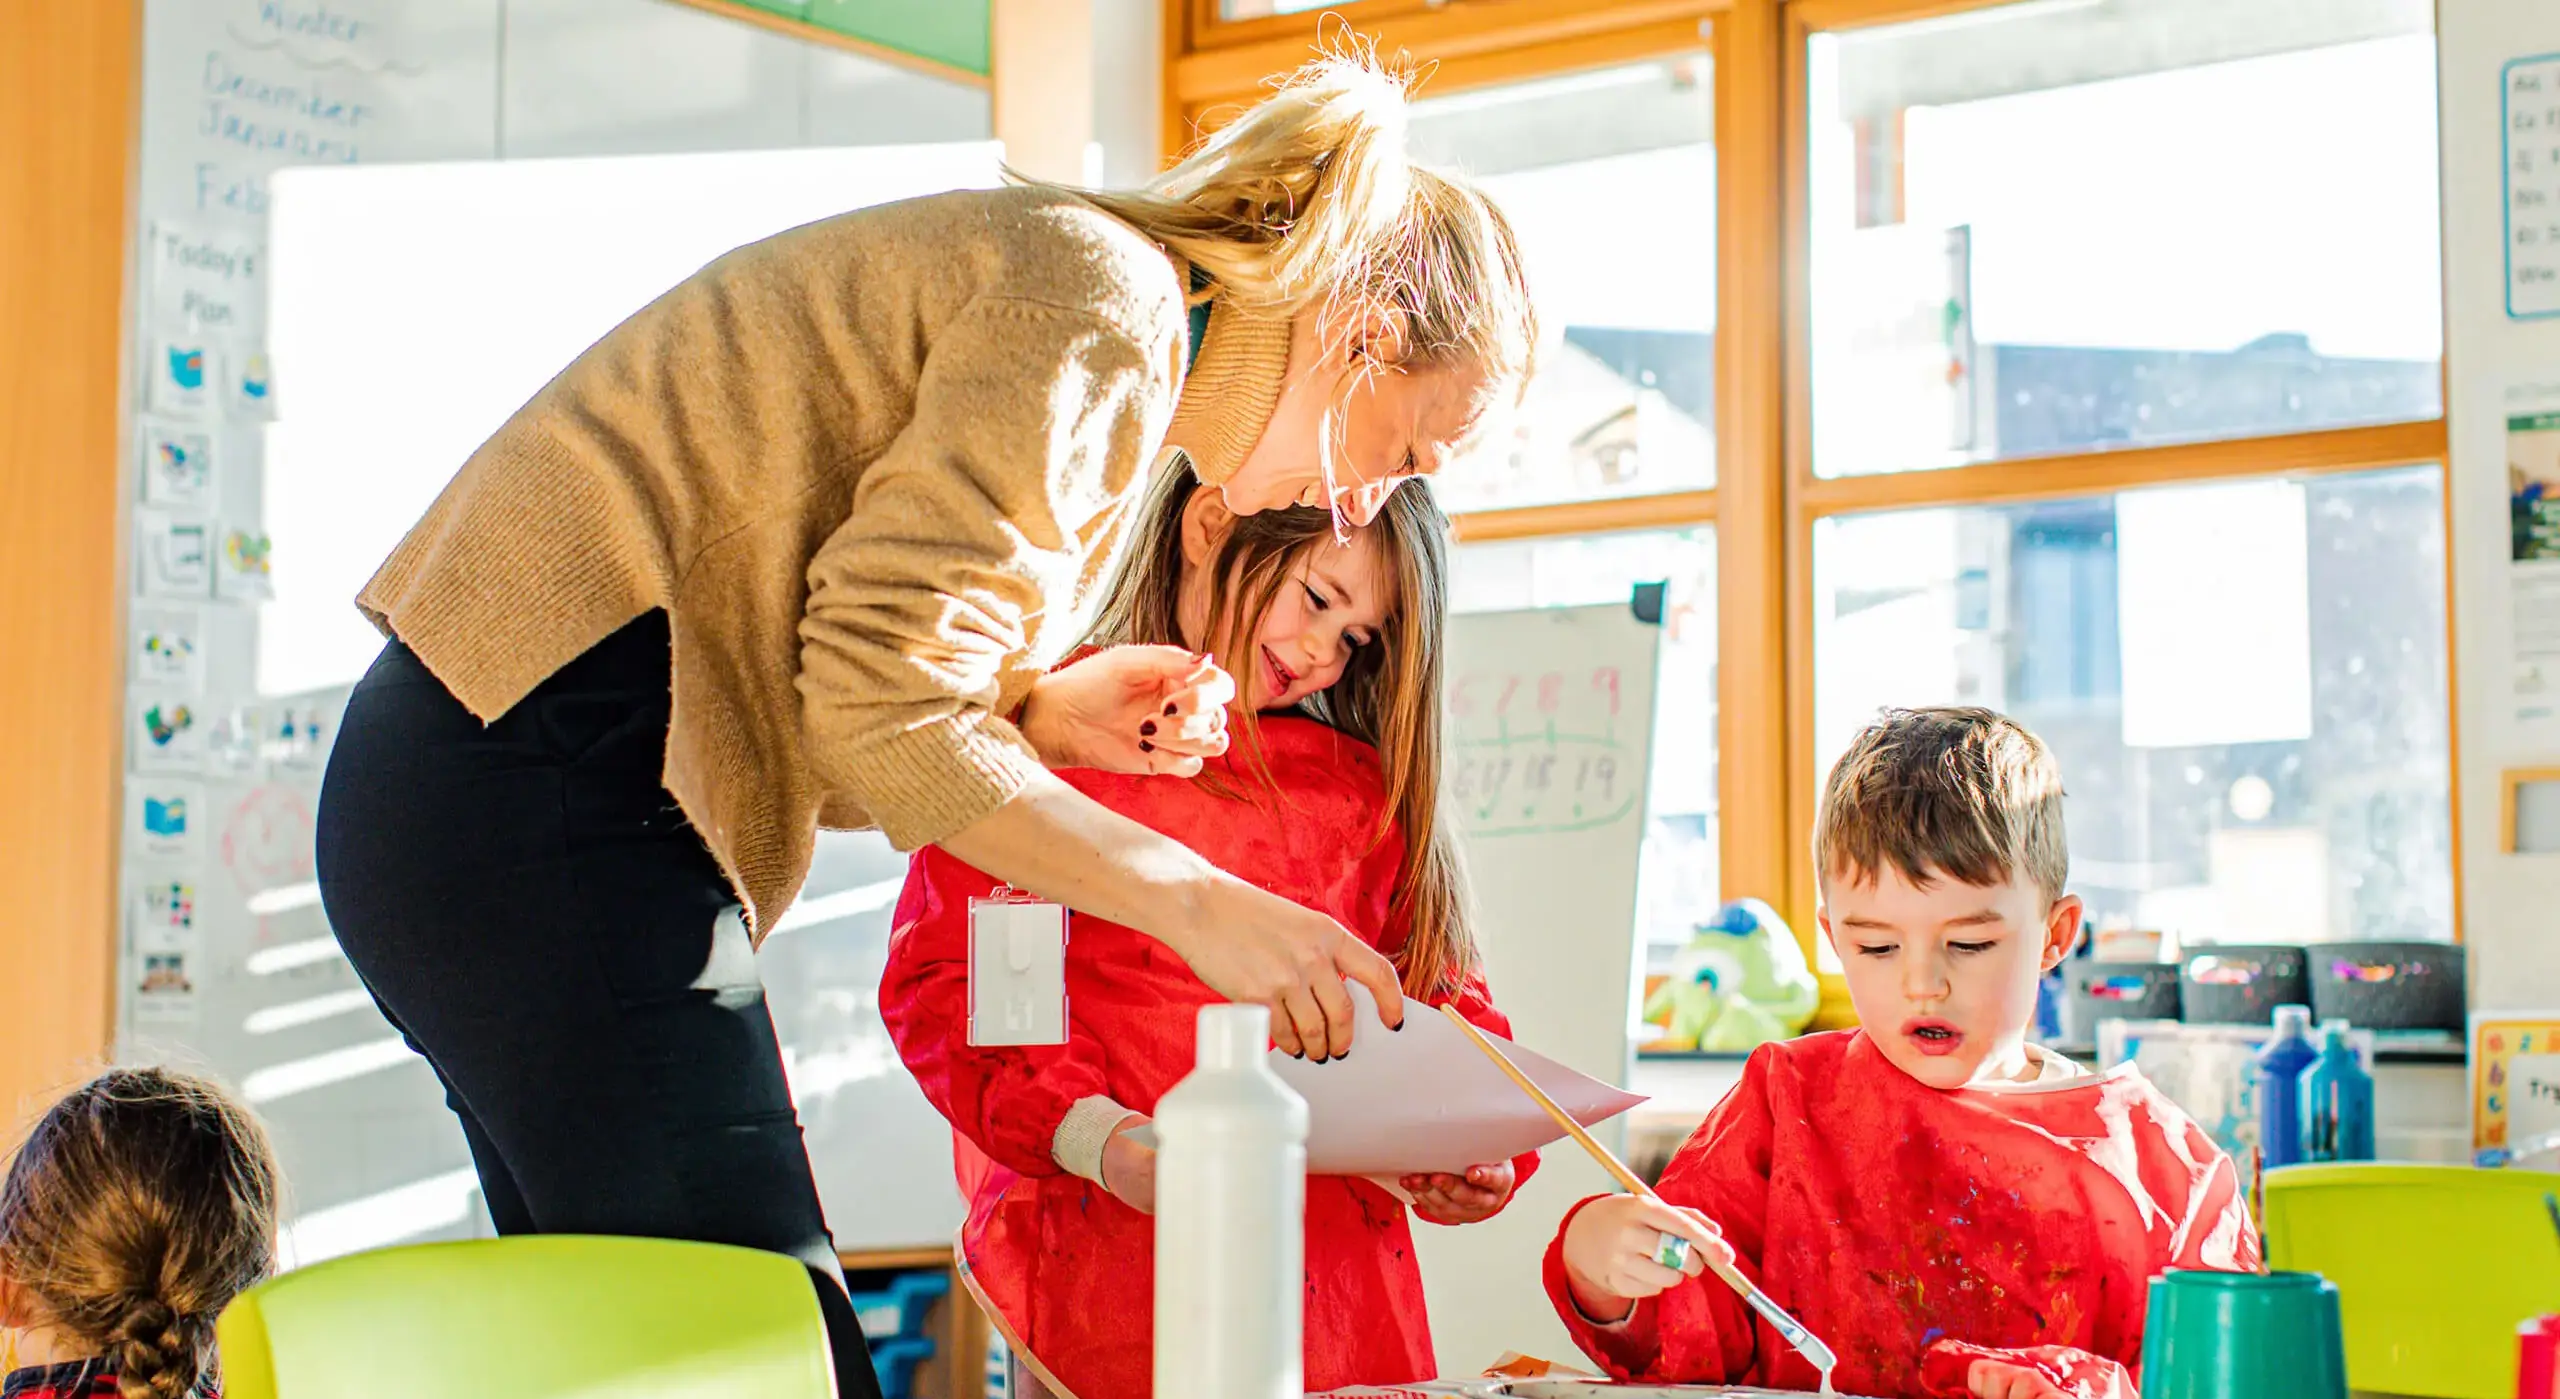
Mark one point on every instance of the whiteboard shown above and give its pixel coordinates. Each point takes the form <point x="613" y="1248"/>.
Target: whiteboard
<point x="1551" y="717"/>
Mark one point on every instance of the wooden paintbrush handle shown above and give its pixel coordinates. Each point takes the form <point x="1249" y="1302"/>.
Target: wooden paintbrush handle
<point x="1629" y="1180"/>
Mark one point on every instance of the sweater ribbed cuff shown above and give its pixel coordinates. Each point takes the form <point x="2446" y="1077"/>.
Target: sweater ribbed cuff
<point x="1086" y="1130"/>
<point x="927" y="783"/>
<point x="1228" y="398"/>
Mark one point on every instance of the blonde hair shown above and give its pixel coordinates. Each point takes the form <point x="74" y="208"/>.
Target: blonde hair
<point x="1952" y="792"/>
<point x="138" y="1207"/>
<point x="1308" y="201"/>
<point x="1388" y="696"/>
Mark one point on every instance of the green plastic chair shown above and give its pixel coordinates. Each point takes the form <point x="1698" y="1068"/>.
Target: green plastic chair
<point x="2435" y="1267"/>
<point x="544" y="1317"/>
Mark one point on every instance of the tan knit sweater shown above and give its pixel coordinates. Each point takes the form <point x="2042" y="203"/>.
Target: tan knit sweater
<point x="871" y="468"/>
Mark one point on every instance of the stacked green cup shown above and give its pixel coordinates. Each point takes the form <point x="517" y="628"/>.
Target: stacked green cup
<point x="2243" y="1336"/>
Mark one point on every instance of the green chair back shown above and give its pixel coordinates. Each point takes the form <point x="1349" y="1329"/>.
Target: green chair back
<point x="2435" y="1266"/>
<point x="542" y="1317"/>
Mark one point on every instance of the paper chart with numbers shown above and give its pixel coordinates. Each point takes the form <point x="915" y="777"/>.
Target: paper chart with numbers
<point x="2531" y="122"/>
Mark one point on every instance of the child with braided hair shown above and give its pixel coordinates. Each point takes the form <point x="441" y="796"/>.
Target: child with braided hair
<point x="138" y="1207"/>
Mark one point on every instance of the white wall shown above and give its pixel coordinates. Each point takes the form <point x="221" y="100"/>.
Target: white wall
<point x="2511" y="904"/>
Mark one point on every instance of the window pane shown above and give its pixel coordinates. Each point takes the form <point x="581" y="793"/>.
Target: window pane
<point x="2065" y="226"/>
<point x="1608" y="179"/>
<point x="2244" y="683"/>
<point x="1677" y="880"/>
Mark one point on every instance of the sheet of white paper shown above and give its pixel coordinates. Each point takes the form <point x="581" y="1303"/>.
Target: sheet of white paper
<point x="1424" y="1098"/>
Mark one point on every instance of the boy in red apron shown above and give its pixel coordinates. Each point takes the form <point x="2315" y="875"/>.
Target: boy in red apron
<point x="1955" y="1211"/>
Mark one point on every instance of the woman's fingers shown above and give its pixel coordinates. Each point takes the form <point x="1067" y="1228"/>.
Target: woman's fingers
<point x="1187" y="719"/>
<point x="1305" y="1021"/>
<point x="1334" y="1003"/>
<point x="1362" y="963"/>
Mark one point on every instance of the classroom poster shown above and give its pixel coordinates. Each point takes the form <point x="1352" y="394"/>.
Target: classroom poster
<point x="2530" y="93"/>
<point x="164" y="820"/>
<point x="179" y="464"/>
<point x="2502" y="1042"/>
<point x="2533" y="1109"/>
<point x="2533" y="512"/>
<point x="167" y="733"/>
<point x="167" y="951"/>
<point x="163" y="911"/>
<point x="164" y="992"/>
<point x="174" y="553"/>
<point x="185" y="376"/>
<point x="207" y="279"/>
<point x="168" y="650"/>
<point x="250" y="381"/>
<point x="295" y="735"/>
<point x="242" y="571"/>
<point x="233" y="740"/>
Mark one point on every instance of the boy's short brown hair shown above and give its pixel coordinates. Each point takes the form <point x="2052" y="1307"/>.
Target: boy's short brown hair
<point x="1954" y="792"/>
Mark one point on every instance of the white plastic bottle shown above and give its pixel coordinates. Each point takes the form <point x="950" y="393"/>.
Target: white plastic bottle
<point x="1231" y="1206"/>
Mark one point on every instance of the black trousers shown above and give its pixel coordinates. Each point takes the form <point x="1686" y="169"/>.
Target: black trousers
<point x="530" y="908"/>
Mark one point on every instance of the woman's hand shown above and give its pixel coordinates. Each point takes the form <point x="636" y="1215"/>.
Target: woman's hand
<point x="1251" y="946"/>
<point x="1256" y="948"/>
<point x="1612" y="1253"/>
<point x="1128" y="1168"/>
<point x="1478" y="1195"/>
<point x="1138" y="709"/>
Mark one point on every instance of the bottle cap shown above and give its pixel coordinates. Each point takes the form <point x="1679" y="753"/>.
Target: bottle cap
<point x="1233" y="1036"/>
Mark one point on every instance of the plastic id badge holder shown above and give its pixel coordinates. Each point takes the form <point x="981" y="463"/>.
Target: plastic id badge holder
<point x="1017" y="970"/>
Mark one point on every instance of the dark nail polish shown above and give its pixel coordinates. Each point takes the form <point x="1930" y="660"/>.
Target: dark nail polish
<point x="1168" y="711"/>
<point x="1147" y="729"/>
<point x="1145" y="747"/>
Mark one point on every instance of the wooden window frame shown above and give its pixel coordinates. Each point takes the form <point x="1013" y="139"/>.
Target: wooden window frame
<point x="1766" y="500"/>
<point x="1810" y="498"/>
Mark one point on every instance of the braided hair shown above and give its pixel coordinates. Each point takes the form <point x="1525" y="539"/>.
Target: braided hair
<point x="139" y="1206"/>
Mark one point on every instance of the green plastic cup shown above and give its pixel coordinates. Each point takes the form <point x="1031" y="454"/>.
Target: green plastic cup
<point x="2243" y="1336"/>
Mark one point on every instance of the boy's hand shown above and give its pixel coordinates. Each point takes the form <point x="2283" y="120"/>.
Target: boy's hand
<point x="1478" y="1195"/>
<point x="1129" y="1168"/>
<point x="1994" y="1379"/>
<point x="1610" y="1248"/>
<point x="1959" y="1371"/>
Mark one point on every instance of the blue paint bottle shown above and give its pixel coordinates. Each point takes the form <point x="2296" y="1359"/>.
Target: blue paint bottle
<point x="2337" y="1101"/>
<point x="2281" y="1066"/>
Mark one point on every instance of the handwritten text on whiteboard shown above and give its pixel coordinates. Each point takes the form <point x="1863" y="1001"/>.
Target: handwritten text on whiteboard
<point x="1541" y="752"/>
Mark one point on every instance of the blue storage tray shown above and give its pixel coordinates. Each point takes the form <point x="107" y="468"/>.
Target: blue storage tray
<point x="896" y="1363"/>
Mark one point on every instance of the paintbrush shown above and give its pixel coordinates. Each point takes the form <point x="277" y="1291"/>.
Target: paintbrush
<point x="1674" y="1252"/>
<point x="2258" y="1199"/>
